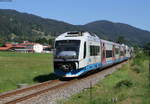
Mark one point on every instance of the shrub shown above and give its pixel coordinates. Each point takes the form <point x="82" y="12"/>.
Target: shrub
<point x="132" y="63"/>
<point x="126" y="83"/>
<point x="136" y="68"/>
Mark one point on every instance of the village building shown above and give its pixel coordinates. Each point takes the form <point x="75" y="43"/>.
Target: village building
<point x="26" y="47"/>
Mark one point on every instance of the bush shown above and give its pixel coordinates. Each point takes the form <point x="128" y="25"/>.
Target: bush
<point x="101" y="101"/>
<point x="132" y="63"/>
<point x="136" y="68"/>
<point x="126" y="83"/>
<point x="1" y="44"/>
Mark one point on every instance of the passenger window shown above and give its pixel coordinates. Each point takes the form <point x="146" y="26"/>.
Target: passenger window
<point x="117" y="51"/>
<point x="108" y="53"/>
<point x="94" y="50"/>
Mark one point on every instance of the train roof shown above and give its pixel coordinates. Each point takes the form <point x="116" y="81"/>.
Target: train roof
<point x="109" y="42"/>
<point x="76" y="35"/>
<point x="81" y="35"/>
<point x="113" y="43"/>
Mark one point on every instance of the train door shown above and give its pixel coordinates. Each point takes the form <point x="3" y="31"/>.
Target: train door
<point x="121" y="53"/>
<point x="83" y="54"/>
<point x="89" y="61"/>
<point x="113" y="53"/>
<point x="103" y="55"/>
<point x="92" y="58"/>
<point x="94" y="53"/>
<point x="97" y="55"/>
<point x="117" y="53"/>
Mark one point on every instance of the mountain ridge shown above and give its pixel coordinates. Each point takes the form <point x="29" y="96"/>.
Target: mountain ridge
<point x="15" y="26"/>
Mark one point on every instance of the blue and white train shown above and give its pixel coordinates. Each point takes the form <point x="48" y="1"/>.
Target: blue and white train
<point x="80" y="52"/>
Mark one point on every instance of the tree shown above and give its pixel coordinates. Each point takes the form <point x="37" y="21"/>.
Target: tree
<point x="51" y="41"/>
<point x="1" y="41"/>
<point x="42" y="41"/>
<point x="120" y="39"/>
<point x="147" y="48"/>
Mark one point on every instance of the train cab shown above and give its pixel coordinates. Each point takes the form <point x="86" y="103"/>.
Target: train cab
<point x="76" y="53"/>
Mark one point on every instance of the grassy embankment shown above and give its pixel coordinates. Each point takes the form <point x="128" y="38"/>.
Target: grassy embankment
<point x="18" y="68"/>
<point x="129" y="85"/>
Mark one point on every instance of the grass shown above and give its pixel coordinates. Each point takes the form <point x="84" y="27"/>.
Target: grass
<point x="18" y="68"/>
<point x="129" y="85"/>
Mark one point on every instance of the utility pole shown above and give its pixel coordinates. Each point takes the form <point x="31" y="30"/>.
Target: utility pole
<point x="90" y="92"/>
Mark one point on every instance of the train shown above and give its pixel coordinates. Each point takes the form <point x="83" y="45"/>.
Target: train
<point x="79" y="52"/>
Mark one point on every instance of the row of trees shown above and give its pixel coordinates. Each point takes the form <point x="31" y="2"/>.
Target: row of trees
<point x="50" y="41"/>
<point x="46" y="41"/>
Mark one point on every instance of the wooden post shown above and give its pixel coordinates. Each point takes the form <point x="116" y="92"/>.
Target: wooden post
<point x="90" y="92"/>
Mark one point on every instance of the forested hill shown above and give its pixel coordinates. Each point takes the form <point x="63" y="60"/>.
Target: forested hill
<point x="112" y="31"/>
<point x="16" y="26"/>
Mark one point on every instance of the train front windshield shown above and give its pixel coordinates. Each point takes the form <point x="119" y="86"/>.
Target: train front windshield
<point x="67" y="48"/>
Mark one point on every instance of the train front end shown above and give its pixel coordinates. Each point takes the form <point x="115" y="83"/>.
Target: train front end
<point x="66" y="55"/>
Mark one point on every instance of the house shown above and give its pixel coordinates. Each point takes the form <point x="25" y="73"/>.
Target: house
<point x="26" y="47"/>
<point x="6" y="47"/>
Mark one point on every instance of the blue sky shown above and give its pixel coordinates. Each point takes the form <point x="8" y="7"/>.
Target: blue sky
<point x="133" y="12"/>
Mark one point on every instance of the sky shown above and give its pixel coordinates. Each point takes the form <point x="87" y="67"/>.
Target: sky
<point x="80" y="12"/>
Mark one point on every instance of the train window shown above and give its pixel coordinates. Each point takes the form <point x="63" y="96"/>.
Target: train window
<point x="116" y="50"/>
<point x="94" y="50"/>
<point x="91" y="50"/>
<point x="108" y="53"/>
<point x="121" y="53"/>
<point x="67" y="45"/>
<point x="84" y="55"/>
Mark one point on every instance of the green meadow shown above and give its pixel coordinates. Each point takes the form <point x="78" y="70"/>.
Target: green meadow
<point x="129" y="85"/>
<point x="24" y="68"/>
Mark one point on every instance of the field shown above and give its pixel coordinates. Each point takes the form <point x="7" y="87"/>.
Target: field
<point x="24" y="68"/>
<point x="129" y="85"/>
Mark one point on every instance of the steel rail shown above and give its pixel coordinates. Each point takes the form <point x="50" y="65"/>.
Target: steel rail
<point x="37" y="93"/>
<point x="18" y="91"/>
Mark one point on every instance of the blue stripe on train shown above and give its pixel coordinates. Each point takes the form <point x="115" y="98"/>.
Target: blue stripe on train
<point x="78" y="72"/>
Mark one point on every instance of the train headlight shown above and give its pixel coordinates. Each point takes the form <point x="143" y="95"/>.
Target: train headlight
<point x="67" y="67"/>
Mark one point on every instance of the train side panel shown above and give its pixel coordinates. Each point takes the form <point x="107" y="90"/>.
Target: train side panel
<point x="80" y="52"/>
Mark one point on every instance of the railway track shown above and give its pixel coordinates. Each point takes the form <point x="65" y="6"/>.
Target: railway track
<point x="24" y="94"/>
<point x="13" y="97"/>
